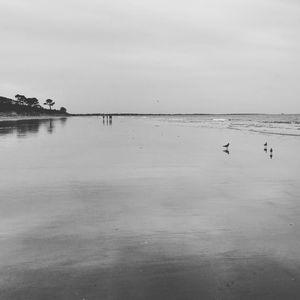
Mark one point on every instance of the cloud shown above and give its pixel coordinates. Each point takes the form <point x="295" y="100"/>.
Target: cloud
<point x="217" y="56"/>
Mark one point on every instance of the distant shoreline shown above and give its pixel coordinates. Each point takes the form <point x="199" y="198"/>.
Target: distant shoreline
<point x="174" y="114"/>
<point x="27" y="107"/>
<point x="4" y="118"/>
<point x="16" y="117"/>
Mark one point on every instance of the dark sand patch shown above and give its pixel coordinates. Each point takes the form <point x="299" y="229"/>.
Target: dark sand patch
<point x="160" y="277"/>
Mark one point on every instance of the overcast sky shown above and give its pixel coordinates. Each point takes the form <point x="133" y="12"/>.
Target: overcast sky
<point x="206" y="56"/>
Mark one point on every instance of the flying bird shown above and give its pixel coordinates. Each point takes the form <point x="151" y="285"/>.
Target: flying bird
<point x="226" y="146"/>
<point x="265" y="144"/>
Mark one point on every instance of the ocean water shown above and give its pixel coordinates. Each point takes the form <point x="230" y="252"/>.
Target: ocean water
<point x="281" y="124"/>
<point x="270" y="124"/>
<point x="150" y="208"/>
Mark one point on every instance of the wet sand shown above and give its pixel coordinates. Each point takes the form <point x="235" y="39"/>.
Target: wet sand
<point x="147" y="209"/>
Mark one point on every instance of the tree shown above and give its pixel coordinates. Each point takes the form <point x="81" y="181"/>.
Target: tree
<point x="32" y="102"/>
<point x="21" y="99"/>
<point x="63" y="110"/>
<point x="50" y="103"/>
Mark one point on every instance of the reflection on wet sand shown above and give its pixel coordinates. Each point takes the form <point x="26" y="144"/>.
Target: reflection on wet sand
<point x="134" y="212"/>
<point x="107" y="119"/>
<point x="24" y="128"/>
<point x="160" y="269"/>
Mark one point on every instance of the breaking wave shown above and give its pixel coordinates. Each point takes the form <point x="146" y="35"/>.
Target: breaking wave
<point x="265" y="124"/>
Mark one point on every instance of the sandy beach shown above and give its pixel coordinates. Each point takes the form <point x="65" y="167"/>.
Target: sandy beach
<point x="146" y="208"/>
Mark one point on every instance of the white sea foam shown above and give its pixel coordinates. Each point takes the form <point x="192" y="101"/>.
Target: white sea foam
<point x="268" y="124"/>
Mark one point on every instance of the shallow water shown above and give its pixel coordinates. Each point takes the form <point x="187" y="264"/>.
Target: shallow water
<point x="147" y="208"/>
<point x="268" y="124"/>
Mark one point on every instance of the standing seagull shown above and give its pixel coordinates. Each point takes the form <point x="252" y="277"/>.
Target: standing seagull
<point x="226" y="146"/>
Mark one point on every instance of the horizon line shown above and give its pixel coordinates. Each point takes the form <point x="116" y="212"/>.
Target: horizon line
<point x="173" y="114"/>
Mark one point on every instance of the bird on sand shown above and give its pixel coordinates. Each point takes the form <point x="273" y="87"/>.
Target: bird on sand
<point x="265" y="144"/>
<point x="226" y="146"/>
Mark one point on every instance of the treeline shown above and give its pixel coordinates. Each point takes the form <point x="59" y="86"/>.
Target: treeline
<point x="24" y="105"/>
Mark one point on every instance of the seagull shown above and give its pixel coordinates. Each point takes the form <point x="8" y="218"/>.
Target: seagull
<point x="226" y="146"/>
<point x="265" y="144"/>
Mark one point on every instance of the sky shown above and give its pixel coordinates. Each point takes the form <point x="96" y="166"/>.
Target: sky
<point x="153" y="56"/>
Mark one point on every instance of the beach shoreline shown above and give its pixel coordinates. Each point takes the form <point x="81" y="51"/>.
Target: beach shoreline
<point x="9" y="117"/>
<point x="148" y="208"/>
